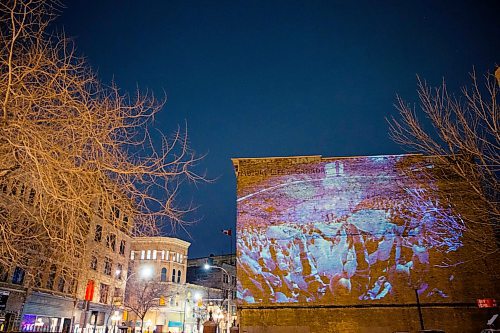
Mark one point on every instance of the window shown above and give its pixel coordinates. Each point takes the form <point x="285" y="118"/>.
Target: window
<point x="52" y="277"/>
<point x="118" y="292"/>
<point x="225" y="278"/>
<point x="93" y="263"/>
<point x="233" y="280"/>
<point x="148" y="255"/>
<point x="122" y="248"/>
<point x="3" y="273"/>
<point x="18" y="276"/>
<point x="166" y="255"/>
<point x="60" y="284"/>
<point x="154" y="254"/>
<point x="163" y="276"/>
<point x="226" y="293"/>
<point x="115" y="212"/>
<point x="143" y="253"/>
<point x="111" y="241"/>
<point x="72" y="285"/>
<point x="119" y="270"/>
<point x="178" y="257"/>
<point x="132" y="255"/>
<point x="173" y="275"/>
<point x="179" y="276"/>
<point x="162" y="254"/>
<point x="38" y="280"/>
<point x="31" y="197"/>
<point x="107" y="266"/>
<point x="98" y="233"/>
<point x="103" y="293"/>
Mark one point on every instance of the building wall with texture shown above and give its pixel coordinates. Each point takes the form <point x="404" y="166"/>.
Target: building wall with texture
<point x="347" y="244"/>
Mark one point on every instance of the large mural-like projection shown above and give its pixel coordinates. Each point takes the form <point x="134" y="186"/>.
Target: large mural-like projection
<point x="350" y="230"/>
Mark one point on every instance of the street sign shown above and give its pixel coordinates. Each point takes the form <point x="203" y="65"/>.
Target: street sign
<point x="486" y="303"/>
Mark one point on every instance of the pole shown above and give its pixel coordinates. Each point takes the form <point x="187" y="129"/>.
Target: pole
<point x="421" y="318"/>
<point x="231" y="244"/>
<point x="184" y="319"/>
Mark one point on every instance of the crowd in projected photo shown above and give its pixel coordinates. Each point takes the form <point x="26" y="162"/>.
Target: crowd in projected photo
<point x="357" y="229"/>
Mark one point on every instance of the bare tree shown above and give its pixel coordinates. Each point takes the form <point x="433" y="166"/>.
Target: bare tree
<point x="73" y="150"/>
<point x="462" y="135"/>
<point x="144" y="295"/>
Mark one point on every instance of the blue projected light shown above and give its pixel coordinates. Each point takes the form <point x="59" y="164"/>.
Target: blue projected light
<point x="352" y="230"/>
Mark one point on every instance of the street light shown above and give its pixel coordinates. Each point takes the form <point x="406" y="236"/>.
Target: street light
<point x="144" y="272"/>
<point x="207" y="266"/>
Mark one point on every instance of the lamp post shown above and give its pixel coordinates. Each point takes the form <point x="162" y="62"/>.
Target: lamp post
<point x="144" y="272"/>
<point x="188" y="296"/>
<point x="229" y="310"/>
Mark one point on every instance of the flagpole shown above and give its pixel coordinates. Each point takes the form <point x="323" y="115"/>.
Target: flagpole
<point x="231" y="245"/>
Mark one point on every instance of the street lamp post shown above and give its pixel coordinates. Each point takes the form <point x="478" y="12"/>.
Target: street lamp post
<point x="145" y="272"/>
<point x="229" y="310"/>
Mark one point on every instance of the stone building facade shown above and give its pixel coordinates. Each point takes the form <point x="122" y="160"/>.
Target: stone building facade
<point x="357" y="245"/>
<point x="57" y="299"/>
<point x="166" y="258"/>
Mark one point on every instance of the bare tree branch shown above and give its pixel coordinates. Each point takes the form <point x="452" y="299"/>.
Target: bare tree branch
<point x="73" y="151"/>
<point x="462" y="136"/>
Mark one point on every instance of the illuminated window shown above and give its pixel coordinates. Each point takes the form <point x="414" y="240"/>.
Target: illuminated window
<point x="119" y="270"/>
<point x="143" y="254"/>
<point x="154" y="254"/>
<point x="132" y="255"/>
<point x="167" y="254"/>
<point x="148" y="255"/>
<point x="178" y="257"/>
<point x="162" y="254"/>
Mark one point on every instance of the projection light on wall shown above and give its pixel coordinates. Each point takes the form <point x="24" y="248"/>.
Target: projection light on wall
<point x="359" y="229"/>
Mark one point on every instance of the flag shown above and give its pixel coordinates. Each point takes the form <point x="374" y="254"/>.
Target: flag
<point x="226" y="232"/>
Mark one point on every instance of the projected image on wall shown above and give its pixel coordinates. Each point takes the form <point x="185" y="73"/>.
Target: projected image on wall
<point x="355" y="229"/>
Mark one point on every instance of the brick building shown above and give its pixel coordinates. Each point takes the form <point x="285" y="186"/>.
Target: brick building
<point x="358" y="244"/>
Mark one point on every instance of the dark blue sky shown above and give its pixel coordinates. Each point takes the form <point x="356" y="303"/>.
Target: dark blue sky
<point x="278" y="78"/>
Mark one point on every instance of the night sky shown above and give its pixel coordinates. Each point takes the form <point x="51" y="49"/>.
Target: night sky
<point x="279" y="78"/>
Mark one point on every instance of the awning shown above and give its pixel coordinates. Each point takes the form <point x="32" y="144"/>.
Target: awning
<point x="174" y="323"/>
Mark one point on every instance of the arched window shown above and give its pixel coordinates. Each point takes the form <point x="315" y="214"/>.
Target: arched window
<point x="163" y="276"/>
<point x="173" y="275"/>
<point x="179" y="276"/>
